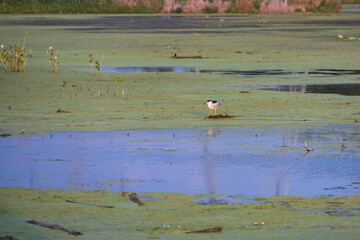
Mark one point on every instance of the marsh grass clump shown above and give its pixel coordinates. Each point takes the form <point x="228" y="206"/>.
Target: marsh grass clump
<point x="13" y="57"/>
<point x="54" y="59"/>
<point x="95" y="64"/>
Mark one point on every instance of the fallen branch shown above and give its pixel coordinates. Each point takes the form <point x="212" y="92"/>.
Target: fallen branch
<point x="133" y="198"/>
<point x="53" y="226"/>
<point x="186" y="57"/>
<point x="207" y="230"/>
<point x="342" y="144"/>
<point x="307" y="148"/>
<point x="89" y="204"/>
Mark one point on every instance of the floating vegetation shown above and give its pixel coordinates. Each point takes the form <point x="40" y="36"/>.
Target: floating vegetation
<point x="350" y="38"/>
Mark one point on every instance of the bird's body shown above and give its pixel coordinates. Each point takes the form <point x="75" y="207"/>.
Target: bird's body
<point x="213" y="105"/>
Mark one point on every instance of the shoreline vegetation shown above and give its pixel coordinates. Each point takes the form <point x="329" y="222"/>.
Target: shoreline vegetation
<point x="172" y="6"/>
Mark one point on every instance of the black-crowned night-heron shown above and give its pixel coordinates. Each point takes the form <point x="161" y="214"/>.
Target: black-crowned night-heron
<point x="213" y="105"/>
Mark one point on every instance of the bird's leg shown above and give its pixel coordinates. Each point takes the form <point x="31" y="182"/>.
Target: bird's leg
<point x="215" y="111"/>
<point x="211" y="112"/>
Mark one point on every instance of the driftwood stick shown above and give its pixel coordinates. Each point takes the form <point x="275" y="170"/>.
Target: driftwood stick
<point x="307" y="148"/>
<point x="53" y="226"/>
<point x="342" y="144"/>
<point x="89" y="204"/>
<point x="186" y="57"/>
<point x="133" y="197"/>
<point x="207" y="230"/>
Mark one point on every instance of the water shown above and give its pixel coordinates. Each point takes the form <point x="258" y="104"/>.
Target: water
<point x="145" y="69"/>
<point x="347" y="89"/>
<point x="267" y="72"/>
<point x="263" y="161"/>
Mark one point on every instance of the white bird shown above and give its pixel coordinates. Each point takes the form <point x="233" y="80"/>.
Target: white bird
<point x="213" y="105"/>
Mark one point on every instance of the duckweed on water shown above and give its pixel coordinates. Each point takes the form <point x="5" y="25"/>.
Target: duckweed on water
<point x="29" y="100"/>
<point x="291" y="43"/>
<point x="170" y="215"/>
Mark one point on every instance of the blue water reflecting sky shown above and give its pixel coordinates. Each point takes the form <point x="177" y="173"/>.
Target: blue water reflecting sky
<point x="262" y="161"/>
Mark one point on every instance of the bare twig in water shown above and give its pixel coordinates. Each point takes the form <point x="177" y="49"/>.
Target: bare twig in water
<point x="134" y="198"/>
<point x="89" y="204"/>
<point x="342" y="144"/>
<point x="53" y="226"/>
<point x="307" y="148"/>
<point x="186" y="57"/>
<point x="207" y="230"/>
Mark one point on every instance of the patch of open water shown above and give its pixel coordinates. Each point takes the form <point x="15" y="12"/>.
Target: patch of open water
<point x="247" y="161"/>
<point x="266" y="72"/>
<point x="347" y="89"/>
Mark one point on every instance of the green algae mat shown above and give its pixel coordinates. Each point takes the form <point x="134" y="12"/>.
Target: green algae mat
<point x="239" y="55"/>
<point x="106" y="215"/>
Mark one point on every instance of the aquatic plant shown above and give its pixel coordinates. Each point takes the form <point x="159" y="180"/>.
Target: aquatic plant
<point x="95" y="64"/>
<point x="345" y="38"/>
<point x="13" y="57"/>
<point x="54" y="59"/>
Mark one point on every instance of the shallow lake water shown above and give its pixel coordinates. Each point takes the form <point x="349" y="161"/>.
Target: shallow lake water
<point x="347" y="89"/>
<point x="261" y="161"/>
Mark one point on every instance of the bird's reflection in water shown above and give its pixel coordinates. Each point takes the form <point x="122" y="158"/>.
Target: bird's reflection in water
<point x="213" y="132"/>
<point x="209" y="163"/>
